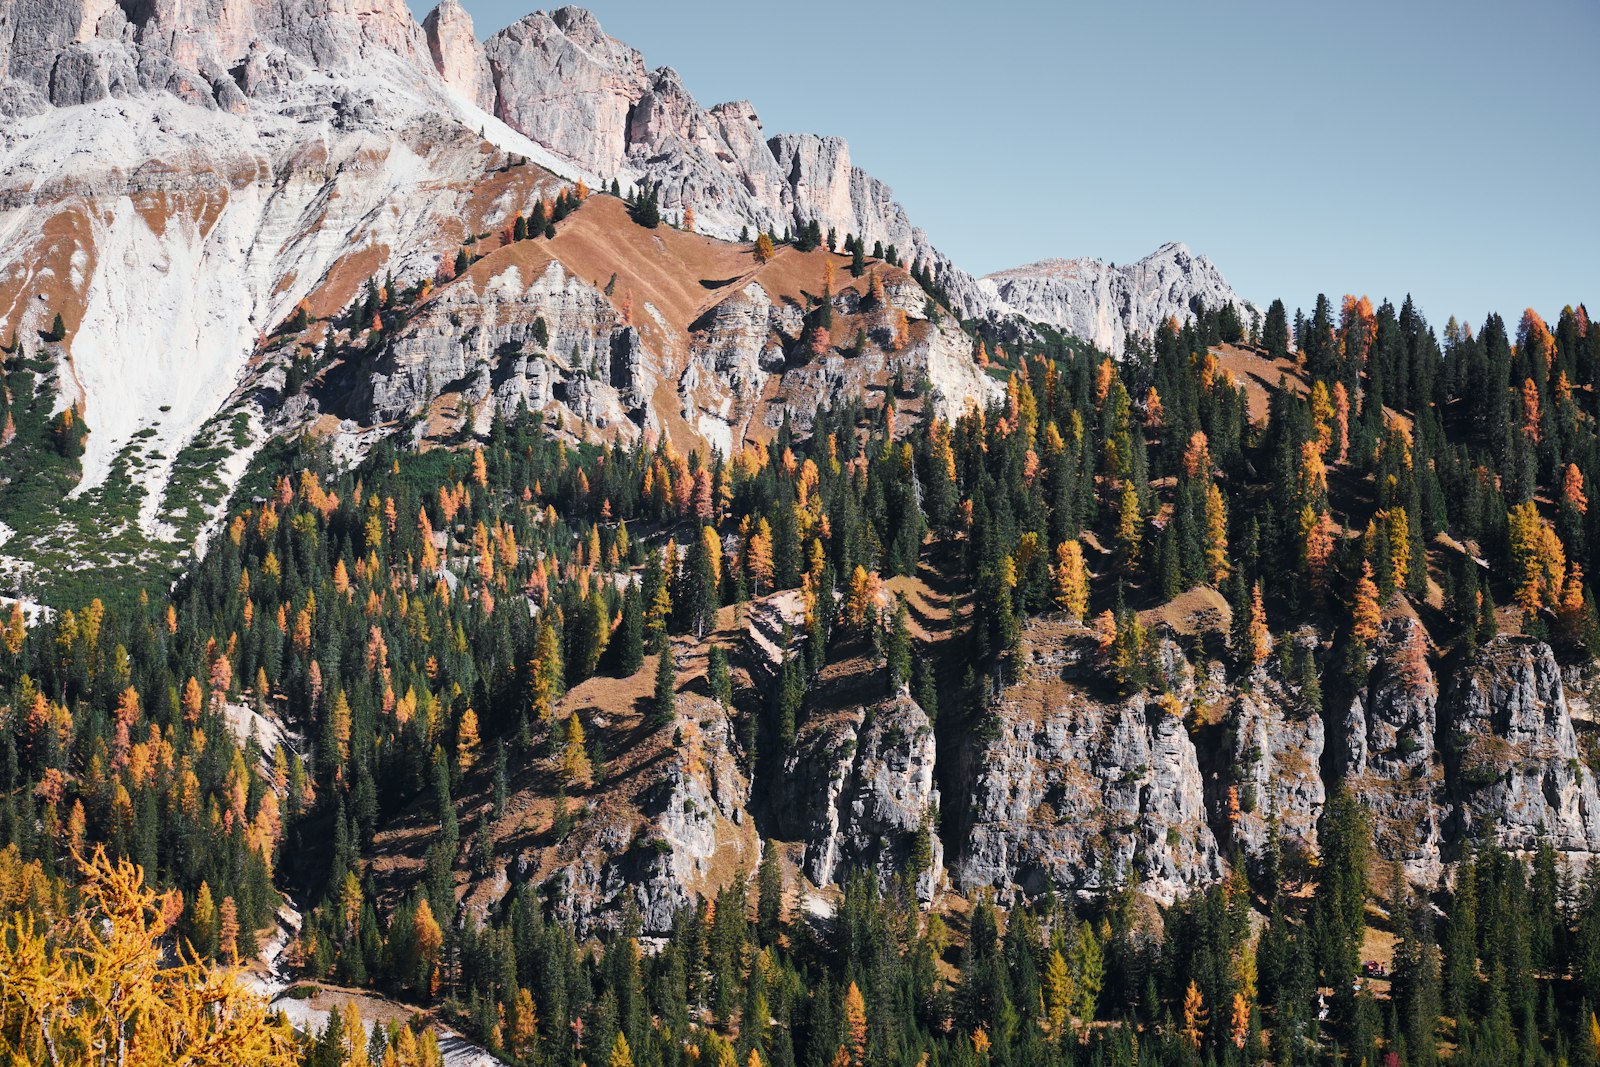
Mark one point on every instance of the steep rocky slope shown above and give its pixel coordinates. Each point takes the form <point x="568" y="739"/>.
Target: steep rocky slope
<point x="1514" y="763"/>
<point x="1104" y="303"/>
<point x="654" y="329"/>
<point x="590" y="99"/>
<point x="1073" y="788"/>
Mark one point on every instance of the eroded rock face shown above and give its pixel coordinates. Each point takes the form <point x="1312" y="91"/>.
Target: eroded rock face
<point x="1071" y="789"/>
<point x="696" y="834"/>
<point x="562" y="81"/>
<point x="1513" y="756"/>
<point x="1277" y="755"/>
<point x="481" y="335"/>
<point x="1104" y="303"/>
<point x="457" y="55"/>
<point x="1389" y="757"/>
<point x="68" y="52"/>
<point x="859" y="793"/>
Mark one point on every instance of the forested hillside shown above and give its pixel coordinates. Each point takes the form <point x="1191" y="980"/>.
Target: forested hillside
<point x="641" y="754"/>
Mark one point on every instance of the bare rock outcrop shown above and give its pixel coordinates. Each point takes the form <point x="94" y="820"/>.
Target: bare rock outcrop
<point x="1513" y="756"/>
<point x="1388" y="756"/>
<point x="589" y="98"/>
<point x="1103" y="303"/>
<point x="481" y="336"/>
<point x="691" y="834"/>
<point x="69" y="52"/>
<point x="1069" y="789"/>
<point x="859" y="793"/>
<point x="457" y="55"/>
<point x="1276" y="756"/>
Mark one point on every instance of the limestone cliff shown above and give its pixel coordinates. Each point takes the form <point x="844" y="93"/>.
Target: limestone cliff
<point x="1512" y="753"/>
<point x="1070" y="788"/>
<point x="1103" y="303"/>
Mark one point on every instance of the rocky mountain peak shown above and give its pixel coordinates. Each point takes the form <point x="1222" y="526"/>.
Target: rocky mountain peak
<point x="1103" y="303"/>
<point x="456" y="53"/>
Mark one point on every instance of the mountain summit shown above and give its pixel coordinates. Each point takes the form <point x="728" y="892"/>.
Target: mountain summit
<point x="1103" y="303"/>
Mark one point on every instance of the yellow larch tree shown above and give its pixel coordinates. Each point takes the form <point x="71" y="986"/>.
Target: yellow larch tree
<point x="1217" y="565"/>
<point x="97" y="985"/>
<point x="1071" y="579"/>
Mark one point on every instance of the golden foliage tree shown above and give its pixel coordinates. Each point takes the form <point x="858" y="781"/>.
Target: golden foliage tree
<point x="1572" y="493"/>
<point x="1071" y="579"/>
<point x="1130" y="527"/>
<point x="1240" y="1029"/>
<point x="1365" y="614"/>
<point x="1538" y="563"/>
<point x="1058" y="993"/>
<point x="861" y="600"/>
<point x="855" y="1025"/>
<point x="1316" y="543"/>
<point x="621" y="1054"/>
<point x="524" y="1036"/>
<point x="546" y="672"/>
<point x="467" y="740"/>
<point x="758" y="556"/>
<point x="1399" y="529"/>
<point x="94" y="986"/>
<point x="1195" y="1016"/>
<point x="1217" y="565"/>
<point x="575" y="767"/>
<point x="430" y="944"/>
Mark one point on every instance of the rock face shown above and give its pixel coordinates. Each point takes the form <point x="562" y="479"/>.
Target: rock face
<point x="1069" y="790"/>
<point x="1513" y="756"/>
<point x="690" y="834"/>
<point x="1388" y="757"/>
<point x="216" y="164"/>
<point x="457" y="55"/>
<point x="858" y="791"/>
<point x="1104" y="303"/>
<point x="213" y="54"/>
<point x="480" y="335"/>
<point x="1277" y="745"/>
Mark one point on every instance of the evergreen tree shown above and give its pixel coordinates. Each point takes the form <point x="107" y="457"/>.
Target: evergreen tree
<point x="666" y="694"/>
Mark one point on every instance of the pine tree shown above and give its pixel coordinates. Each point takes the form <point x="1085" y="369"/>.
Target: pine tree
<point x="897" y="648"/>
<point x="1275" y="332"/>
<point x="666" y="692"/>
<point x="631" y="633"/>
<point x="769" y="895"/>
<point x="718" y="677"/>
<point x="1087" y="963"/>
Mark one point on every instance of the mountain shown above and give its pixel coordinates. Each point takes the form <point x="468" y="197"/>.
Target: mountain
<point x="175" y="181"/>
<point x="1103" y="303"/>
<point x="176" y="184"/>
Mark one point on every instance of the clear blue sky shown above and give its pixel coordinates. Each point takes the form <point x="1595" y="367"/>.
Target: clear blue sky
<point x="1451" y="150"/>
